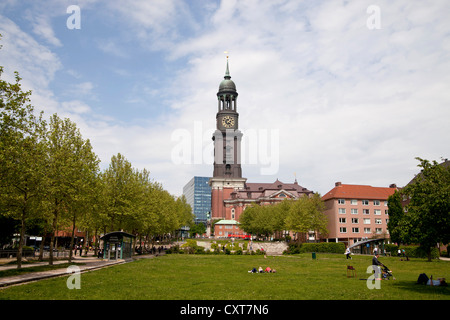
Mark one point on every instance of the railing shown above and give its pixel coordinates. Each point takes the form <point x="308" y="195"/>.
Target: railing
<point x="34" y="254"/>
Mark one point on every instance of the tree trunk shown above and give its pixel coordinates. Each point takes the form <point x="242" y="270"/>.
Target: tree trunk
<point x="21" y="239"/>
<point x="41" y="248"/>
<point x="72" y="239"/>
<point x="96" y="244"/>
<point x="52" y="238"/>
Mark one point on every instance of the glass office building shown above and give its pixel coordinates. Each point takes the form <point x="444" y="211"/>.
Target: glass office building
<point x="198" y="195"/>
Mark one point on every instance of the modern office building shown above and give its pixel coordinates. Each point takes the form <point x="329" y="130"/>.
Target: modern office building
<point x="198" y="194"/>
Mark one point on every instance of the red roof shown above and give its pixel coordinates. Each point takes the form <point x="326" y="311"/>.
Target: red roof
<point x="352" y="191"/>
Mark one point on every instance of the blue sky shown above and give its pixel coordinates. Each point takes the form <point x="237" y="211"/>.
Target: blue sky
<point x="343" y="102"/>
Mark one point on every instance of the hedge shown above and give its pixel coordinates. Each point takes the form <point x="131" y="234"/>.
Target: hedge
<point x="324" y="247"/>
<point x="412" y="251"/>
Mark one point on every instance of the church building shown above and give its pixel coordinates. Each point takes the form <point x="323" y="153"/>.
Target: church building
<point x="230" y="192"/>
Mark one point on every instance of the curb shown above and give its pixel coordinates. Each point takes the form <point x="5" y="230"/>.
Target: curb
<point x="34" y="276"/>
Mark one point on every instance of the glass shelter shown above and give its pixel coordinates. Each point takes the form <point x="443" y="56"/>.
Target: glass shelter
<point x="117" y="245"/>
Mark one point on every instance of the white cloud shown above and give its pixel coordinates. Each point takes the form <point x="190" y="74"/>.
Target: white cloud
<point x="42" y="28"/>
<point x="351" y="104"/>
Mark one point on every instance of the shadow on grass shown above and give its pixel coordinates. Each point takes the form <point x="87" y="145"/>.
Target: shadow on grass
<point x="421" y="288"/>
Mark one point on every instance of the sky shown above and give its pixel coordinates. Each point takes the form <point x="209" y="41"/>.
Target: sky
<point x="350" y="91"/>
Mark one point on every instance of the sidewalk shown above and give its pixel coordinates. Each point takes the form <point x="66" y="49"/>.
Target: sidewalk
<point x="90" y="263"/>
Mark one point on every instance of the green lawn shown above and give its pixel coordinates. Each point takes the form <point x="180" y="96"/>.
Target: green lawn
<point x="222" y="277"/>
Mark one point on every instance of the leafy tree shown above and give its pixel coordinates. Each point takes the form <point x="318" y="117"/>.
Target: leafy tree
<point x="427" y="220"/>
<point x="396" y="216"/>
<point x="319" y="221"/>
<point x="21" y="156"/>
<point x="306" y="214"/>
<point x="72" y="168"/>
<point x="197" y="229"/>
<point x="120" y="186"/>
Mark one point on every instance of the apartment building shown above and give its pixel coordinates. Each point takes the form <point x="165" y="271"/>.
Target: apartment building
<point x="357" y="211"/>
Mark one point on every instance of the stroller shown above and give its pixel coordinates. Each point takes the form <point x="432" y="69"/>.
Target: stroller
<point x="386" y="273"/>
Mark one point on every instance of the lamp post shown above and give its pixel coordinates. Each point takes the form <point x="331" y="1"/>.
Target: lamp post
<point x="208" y="224"/>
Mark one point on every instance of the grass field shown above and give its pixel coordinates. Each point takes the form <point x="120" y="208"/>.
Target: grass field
<point x="226" y="277"/>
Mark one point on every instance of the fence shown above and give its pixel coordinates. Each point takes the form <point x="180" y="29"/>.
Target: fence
<point x="34" y="254"/>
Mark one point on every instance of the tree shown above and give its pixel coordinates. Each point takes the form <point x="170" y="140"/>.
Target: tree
<point x="396" y="216"/>
<point x="319" y="221"/>
<point x="197" y="229"/>
<point x="298" y="218"/>
<point x="427" y="220"/>
<point x="121" y="191"/>
<point x="71" y="172"/>
<point x="21" y="156"/>
<point x="306" y="214"/>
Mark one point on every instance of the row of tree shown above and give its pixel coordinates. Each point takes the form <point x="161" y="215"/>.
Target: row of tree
<point x="300" y="216"/>
<point x="50" y="179"/>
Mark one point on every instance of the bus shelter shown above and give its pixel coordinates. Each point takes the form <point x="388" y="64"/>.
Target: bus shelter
<point x="117" y="245"/>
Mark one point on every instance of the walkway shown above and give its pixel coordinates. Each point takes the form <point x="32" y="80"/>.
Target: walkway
<point x="89" y="263"/>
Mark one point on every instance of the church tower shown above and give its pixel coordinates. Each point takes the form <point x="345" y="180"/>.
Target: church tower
<point x="227" y="174"/>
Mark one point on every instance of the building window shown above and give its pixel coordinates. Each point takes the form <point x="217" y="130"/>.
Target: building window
<point x="354" y="202"/>
<point x="366" y="211"/>
<point x="366" y="221"/>
<point x="341" y="210"/>
<point x="386" y="212"/>
<point x="367" y="230"/>
<point x="365" y="202"/>
<point x="378" y="230"/>
<point x="341" y="201"/>
<point x="343" y="230"/>
<point x="385" y="203"/>
<point x="342" y="220"/>
<point x="355" y="220"/>
<point x="355" y="230"/>
<point x="377" y="221"/>
<point x="377" y="212"/>
<point x="354" y="211"/>
<point x="376" y="202"/>
<point x="232" y="213"/>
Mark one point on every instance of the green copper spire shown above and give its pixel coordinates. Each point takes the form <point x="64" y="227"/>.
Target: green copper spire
<point x="227" y="85"/>
<point x="227" y="72"/>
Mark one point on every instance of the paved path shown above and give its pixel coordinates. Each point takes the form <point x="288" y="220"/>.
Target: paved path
<point x="90" y="263"/>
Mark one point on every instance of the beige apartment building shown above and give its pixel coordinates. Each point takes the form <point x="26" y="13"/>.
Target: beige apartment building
<point x="356" y="212"/>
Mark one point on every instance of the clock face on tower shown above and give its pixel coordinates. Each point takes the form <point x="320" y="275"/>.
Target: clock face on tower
<point x="228" y="122"/>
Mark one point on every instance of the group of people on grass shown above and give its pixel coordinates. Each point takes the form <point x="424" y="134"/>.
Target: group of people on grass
<point x="260" y="270"/>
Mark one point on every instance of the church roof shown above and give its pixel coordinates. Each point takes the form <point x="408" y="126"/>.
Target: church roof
<point x="254" y="191"/>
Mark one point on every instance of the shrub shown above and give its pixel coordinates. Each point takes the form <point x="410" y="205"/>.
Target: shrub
<point x="419" y="252"/>
<point x="324" y="247"/>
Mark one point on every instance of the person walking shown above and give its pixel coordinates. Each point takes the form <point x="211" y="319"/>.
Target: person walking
<point x="348" y="253"/>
